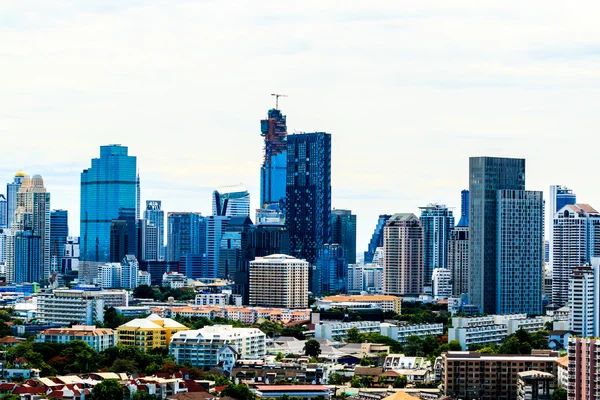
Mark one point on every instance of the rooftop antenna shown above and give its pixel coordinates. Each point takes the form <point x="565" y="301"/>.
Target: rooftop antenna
<point x="277" y="96"/>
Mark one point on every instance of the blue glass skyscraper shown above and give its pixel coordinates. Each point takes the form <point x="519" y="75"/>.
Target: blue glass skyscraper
<point x="332" y="270"/>
<point x="108" y="188"/>
<point x="464" y="209"/>
<point x="59" y="231"/>
<point x="376" y="239"/>
<point x="273" y="170"/>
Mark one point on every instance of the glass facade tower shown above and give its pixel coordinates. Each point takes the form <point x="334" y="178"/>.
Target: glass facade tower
<point x="156" y="216"/>
<point x="376" y="239"/>
<point x="59" y="231"/>
<point x="108" y="189"/>
<point x="438" y="222"/>
<point x="273" y="170"/>
<point x="343" y="232"/>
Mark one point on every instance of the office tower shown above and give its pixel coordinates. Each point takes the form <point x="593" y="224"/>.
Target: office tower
<point x="437" y="221"/>
<point x="156" y="216"/>
<point x="576" y="239"/>
<point x="194" y="266"/>
<point x="560" y="196"/>
<point x="107" y="188"/>
<point x="185" y="234"/>
<point x="403" y="255"/>
<point x="332" y="266"/>
<point x="520" y="252"/>
<point x="119" y="240"/>
<point x="488" y="175"/>
<point x="267" y="239"/>
<point x="584" y="364"/>
<point x="70" y="260"/>
<point x="308" y="193"/>
<point x="33" y="213"/>
<point x="343" y="232"/>
<point x="215" y="227"/>
<point x="458" y="259"/>
<point x="4" y="233"/>
<point x="231" y="201"/>
<point x="149" y="249"/>
<point x="376" y="239"/>
<point x="546" y="251"/>
<point x="583" y="301"/>
<point x="441" y="279"/>
<point x="128" y="215"/>
<point x="273" y="169"/>
<point x="11" y="197"/>
<point x="24" y="261"/>
<point x="138" y="195"/>
<point x="279" y="281"/>
<point x="59" y="231"/>
<point x="3" y="212"/>
<point x="464" y="208"/>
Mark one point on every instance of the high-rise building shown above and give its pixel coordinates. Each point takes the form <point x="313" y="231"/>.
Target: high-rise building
<point x="148" y="241"/>
<point x="33" y="214"/>
<point x="273" y="169"/>
<point x="464" y="208"/>
<point x="488" y="175"/>
<point x="3" y="212"/>
<point x="584" y="364"/>
<point x="403" y="255"/>
<point x="11" y="197"/>
<point x="441" y="279"/>
<point x="108" y="187"/>
<point x="119" y="240"/>
<point x="279" y="281"/>
<point x="59" y="231"/>
<point x="215" y="228"/>
<point x="458" y="259"/>
<point x="576" y="239"/>
<point x="308" y="193"/>
<point x="560" y="196"/>
<point x="156" y="216"/>
<point x="4" y="233"/>
<point x="235" y="249"/>
<point x="231" y="201"/>
<point x="520" y="252"/>
<point x="24" y="258"/>
<point x="437" y="221"/>
<point x="138" y="197"/>
<point x="332" y="266"/>
<point x="584" y="300"/>
<point x="376" y="239"/>
<point x="343" y="232"/>
<point x="185" y="234"/>
<point x="194" y="266"/>
<point x="365" y="278"/>
<point x="70" y="260"/>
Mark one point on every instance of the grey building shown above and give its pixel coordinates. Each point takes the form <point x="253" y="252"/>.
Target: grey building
<point x="156" y="216"/>
<point x="343" y="232"/>
<point x="438" y="222"/>
<point x="11" y="197"/>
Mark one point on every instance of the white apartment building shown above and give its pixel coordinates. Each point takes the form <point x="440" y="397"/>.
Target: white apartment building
<point x="584" y="299"/>
<point x="442" y="283"/>
<point x="279" y="280"/>
<point x="401" y="332"/>
<point x="144" y="278"/>
<point x="386" y="303"/>
<point x="337" y="331"/>
<point x="119" y="275"/>
<point x="514" y="322"/>
<point x="218" y="345"/>
<point x="64" y="307"/>
<point x="476" y="330"/>
<point x="98" y="338"/>
<point x="174" y="280"/>
<point x="212" y="299"/>
<point x="365" y="278"/>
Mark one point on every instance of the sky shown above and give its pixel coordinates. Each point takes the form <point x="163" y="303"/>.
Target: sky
<point x="408" y="90"/>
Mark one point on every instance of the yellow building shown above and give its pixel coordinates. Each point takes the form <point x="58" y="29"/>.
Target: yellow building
<point x="150" y="332"/>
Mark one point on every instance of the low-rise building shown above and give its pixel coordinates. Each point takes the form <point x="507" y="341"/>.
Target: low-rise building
<point x="535" y="385"/>
<point x="386" y="303"/>
<point x="174" y="280"/>
<point x="217" y="346"/>
<point x="308" y="392"/>
<point x="476" y="330"/>
<point x="65" y="307"/>
<point x="213" y="299"/>
<point x="98" y="338"/>
<point x="150" y="332"/>
<point x="401" y="332"/>
<point x="562" y="367"/>
<point x="515" y="322"/>
<point x="338" y="331"/>
<point x="133" y="311"/>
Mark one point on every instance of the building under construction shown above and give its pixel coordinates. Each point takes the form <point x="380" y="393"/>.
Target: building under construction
<point x="273" y="170"/>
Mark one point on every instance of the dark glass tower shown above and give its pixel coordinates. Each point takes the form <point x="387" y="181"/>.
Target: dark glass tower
<point x="376" y="238"/>
<point x="186" y="234"/>
<point x="107" y="188"/>
<point x="272" y="172"/>
<point x="59" y="231"/>
<point x="308" y="193"/>
<point x="333" y="270"/>
<point x="488" y="175"/>
<point x="464" y="209"/>
<point x="343" y="232"/>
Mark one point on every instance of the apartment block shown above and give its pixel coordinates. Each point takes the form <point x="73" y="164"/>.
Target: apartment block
<point x="65" y="307"/>
<point x="148" y="333"/>
<point x="279" y="281"/>
<point x="584" y="368"/>
<point x="401" y="332"/>
<point x="386" y="303"/>
<point x="98" y="338"/>
<point x="476" y="330"/>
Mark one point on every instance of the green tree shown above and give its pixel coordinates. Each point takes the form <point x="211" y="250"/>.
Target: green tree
<point x="239" y="392"/>
<point x="144" y="292"/>
<point x="12" y="396"/>
<point x="400" y="382"/>
<point x="108" y="389"/>
<point x="413" y="346"/>
<point x="353" y="336"/>
<point x="559" y="394"/>
<point x="279" y="357"/>
<point x="142" y="395"/>
<point x="312" y="348"/>
<point x="336" y="379"/>
<point x="512" y="345"/>
<point x="121" y="365"/>
<point x="366" y="362"/>
<point x="454" y="345"/>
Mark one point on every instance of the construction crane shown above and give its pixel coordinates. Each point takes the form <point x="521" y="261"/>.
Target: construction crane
<point x="277" y="96"/>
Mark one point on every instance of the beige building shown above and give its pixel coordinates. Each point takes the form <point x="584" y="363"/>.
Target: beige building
<point x="98" y="338"/>
<point x="403" y="255"/>
<point x="279" y="281"/>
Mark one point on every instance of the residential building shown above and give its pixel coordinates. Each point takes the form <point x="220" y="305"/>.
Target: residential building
<point x="110" y="276"/>
<point x="59" y="232"/>
<point x="148" y="333"/>
<point x="273" y="169"/>
<point x="148" y="243"/>
<point x="584" y="300"/>
<point x="308" y="194"/>
<point x="559" y="197"/>
<point x="584" y="364"/>
<point x="458" y="259"/>
<point x="174" y="280"/>
<point x="11" y="197"/>
<point x="156" y="217"/>
<point x="65" y="307"/>
<point x="343" y="232"/>
<point x="403" y="259"/>
<point x="562" y="377"/>
<point x="401" y="333"/>
<point x="535" y="385"/>
<point x="491" y="376"/>
<point x="213" y="299"/>
<point x="442" y="283"/>
<point x="216" y="226"/>
<point x="365" y="278"/>
<point x="107" y="187"/>
<point x="376" y="239"/>
<point x="99" y="339"/>
<point x="576" y="240"/>
<point x="279" y="281"/>
<point x="144" y="278"/>
<point x="338" y="331"/>
<point x="4" y="233"/>
<point x="515" y="322"/>
<point x="332" y="270"/>
<point x="186" y="234"/>
<point x="231" y="201"/>
<point x="3" y="212"/>
<point x="299" y="391"/>
<point x="386" y="303"/>
<point x="23" y="256"/>
<point x="437" y="221"/>
<point x="217" y="346"/>
<point x="476" y="330"/>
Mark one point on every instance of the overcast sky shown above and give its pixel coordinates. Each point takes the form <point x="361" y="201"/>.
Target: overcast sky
<point x="408" y="90"/>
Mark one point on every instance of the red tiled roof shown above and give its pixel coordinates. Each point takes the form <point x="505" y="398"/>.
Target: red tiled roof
<point x="9" y="339"/>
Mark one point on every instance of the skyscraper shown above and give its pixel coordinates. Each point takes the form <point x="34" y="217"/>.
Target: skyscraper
<point x="376" y="239"/>
<point x="487" y="176"/>
<point x="3" y="212"/>
<point x="560" y="196"/>
<point x="332" y="266"/>
<point x="343" y="232"/>
<point x="119" y="240"/>
<point x="138" y="195"/>
<point x="185" y="234"/>
<point x="107" y="187"/>
<point x="584" y="300"/>
<point x="59" y="231"/>
<point x="403" y="259"/>
<point x="520" y="252"/>
<point x="458" y="259"/>
<point x="24" y="263"/>
<point x="11" y="197"/>
<point x="33" y="214"/>
<point x="308" y="193"/>
<point x="438" y="222"/>
<point x="215" y="228"/>
<point x="464" y="208"/>
<point x="231" y="201"/>
<point x="273" y="169"/>
<point x="156" y="216"/>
